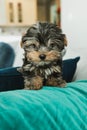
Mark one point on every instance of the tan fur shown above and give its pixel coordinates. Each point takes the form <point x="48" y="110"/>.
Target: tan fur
<point x="51" y="55"/>
<point x="34" y="83"/>
<point x="43" y="44"/>
<point x="54" y="82"/>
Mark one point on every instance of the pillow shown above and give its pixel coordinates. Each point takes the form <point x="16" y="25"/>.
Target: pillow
<point x="69" y="68"/>
<point x="50" y="108"/>
<point x="7" y="55"/>
<point x="11" y="79"/>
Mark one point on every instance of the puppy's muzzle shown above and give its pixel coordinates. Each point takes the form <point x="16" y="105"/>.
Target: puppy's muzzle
<point x="42" y="56"/>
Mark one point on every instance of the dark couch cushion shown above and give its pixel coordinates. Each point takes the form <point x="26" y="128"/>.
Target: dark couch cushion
<point x="11" y="79"/>
<point x="69" y="68"/>
<point x="7" y="55"/>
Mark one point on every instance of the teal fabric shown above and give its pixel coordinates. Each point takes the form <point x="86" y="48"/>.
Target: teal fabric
<point x="50" y="108"/>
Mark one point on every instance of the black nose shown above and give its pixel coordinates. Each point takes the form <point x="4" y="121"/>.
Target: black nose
<point x="42" y="56"/>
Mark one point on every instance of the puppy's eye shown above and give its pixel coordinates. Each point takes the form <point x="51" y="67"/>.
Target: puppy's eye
<point x="32" y="46"/>
<point x="52" y="45"/>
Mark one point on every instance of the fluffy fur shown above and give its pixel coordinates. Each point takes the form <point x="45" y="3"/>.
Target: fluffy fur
<point x="43" y="44"/>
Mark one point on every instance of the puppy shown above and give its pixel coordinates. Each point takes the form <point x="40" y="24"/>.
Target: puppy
<point x="42" y="64"/>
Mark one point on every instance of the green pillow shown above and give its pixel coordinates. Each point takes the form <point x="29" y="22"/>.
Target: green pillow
<point x="50" y="108"/>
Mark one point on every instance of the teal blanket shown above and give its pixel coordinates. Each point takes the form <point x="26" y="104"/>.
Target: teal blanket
<point x="50" y="108"/>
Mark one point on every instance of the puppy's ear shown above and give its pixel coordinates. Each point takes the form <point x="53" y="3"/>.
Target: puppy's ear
<point x="65" y="40"/>
<point x="63" y="36"/>
<point x="21" y="43"/>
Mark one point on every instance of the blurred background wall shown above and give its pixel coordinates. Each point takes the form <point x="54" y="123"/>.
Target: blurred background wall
<point x="16" y="15"/>
<point x="74" y="25"/>
<point x="74" y="22"/>
<point x="71" y="15"/>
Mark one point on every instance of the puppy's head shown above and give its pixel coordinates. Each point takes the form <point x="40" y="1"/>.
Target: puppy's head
<point x="43" y="43"/>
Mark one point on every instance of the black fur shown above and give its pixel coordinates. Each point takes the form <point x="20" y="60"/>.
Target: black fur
<point x="43" y="44"/>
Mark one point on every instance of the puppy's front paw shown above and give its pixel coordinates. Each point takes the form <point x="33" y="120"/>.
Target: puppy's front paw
<point x="62" y="84"/>
<point x="57" y="82"/>
<point x="34" y="83"/>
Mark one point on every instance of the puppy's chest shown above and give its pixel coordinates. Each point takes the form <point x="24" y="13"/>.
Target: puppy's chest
<point x="47" y="72"/>
<point x="44" y="72"/>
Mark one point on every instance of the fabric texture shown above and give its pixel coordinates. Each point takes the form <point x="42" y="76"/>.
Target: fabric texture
<point x="11" y="79"/>
<point x="50" y="108"/>
<point x="7" y="55"/>
<point x="69" y="68"/>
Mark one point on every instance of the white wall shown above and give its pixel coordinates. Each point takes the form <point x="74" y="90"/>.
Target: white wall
<point x="74" y="21"/>
<point x="2" y="12"/>
<point x="74" y="24"/>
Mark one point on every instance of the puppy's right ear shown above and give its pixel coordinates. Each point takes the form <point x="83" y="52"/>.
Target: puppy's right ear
<point x="21" y="43"/>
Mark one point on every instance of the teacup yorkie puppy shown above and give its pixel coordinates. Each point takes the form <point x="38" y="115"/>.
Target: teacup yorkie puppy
<point x="42" y="64"/>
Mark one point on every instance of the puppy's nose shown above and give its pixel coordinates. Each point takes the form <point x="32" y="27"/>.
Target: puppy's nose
<point x="42" y="56"/>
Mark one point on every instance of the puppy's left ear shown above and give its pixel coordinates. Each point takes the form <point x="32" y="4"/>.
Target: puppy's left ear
<point x="65" y="39"/>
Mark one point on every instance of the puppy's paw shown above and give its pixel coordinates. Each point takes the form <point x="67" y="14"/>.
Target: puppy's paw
<point x="34" y="83"/>
<point x="57" y="82"/>
<point x="62" y="84"/>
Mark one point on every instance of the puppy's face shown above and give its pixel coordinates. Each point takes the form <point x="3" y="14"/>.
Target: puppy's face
<point x="43" y="44"/>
